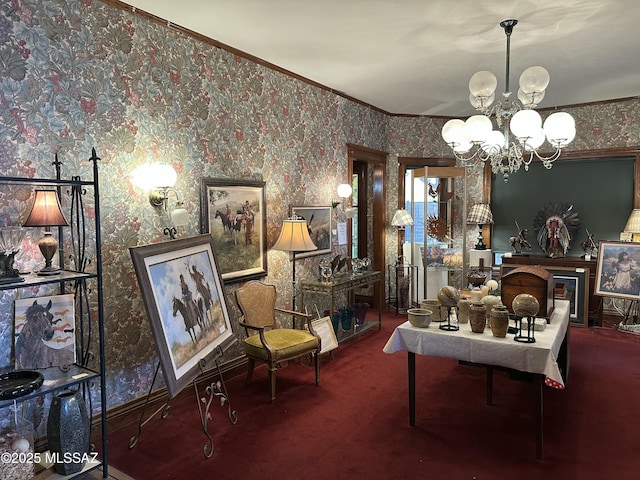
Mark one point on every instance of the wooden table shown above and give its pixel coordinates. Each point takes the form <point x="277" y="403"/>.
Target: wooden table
<point x="547" y="359"/>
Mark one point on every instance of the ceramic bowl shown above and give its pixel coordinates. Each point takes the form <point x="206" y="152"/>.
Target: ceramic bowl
<point x="419" y="317"/>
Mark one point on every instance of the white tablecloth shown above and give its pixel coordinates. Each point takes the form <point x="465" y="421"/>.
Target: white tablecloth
<point x="539" y="357"/>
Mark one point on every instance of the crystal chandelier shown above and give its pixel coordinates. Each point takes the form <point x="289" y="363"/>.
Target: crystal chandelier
<point x="475" y="140"/>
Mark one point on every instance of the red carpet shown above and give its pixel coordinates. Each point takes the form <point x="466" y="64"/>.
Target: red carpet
<point x="355" y="424"/>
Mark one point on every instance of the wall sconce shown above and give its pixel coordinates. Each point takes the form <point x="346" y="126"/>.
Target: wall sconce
<point x="47" y="212"/>
<point x="344" y="191"/>
<point x="159" y="181"/>
<point x="480" y="214"/>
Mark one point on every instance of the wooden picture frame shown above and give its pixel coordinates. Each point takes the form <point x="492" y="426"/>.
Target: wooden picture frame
<point x="320" y="224"/>
<point x="576" y="282"/>
<point x="184" y="299"/>
<point x="324" y="329"/>
<point x="234" y="213"/>
<point x="617" y="277"/>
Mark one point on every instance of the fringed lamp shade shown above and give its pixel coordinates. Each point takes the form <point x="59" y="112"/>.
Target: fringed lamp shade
<point x="46" y="212"/>
<point x="480" y="214"/>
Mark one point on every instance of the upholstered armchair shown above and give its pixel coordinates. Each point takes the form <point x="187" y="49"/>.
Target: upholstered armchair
<point x="266" y="342"/>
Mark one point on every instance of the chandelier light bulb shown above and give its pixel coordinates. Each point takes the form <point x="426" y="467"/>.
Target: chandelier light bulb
<point x="534" y="79"/>
<point x="530" y="100"/>
<point x="483" y="84"/>
<point x="463" y="146"/>
<point x="477" y="128"/>
<point x="560" y="129"/>
<point x="481" y="103"/>
<point x="452" y="132"/>
<point x="535" y="140"/>
<point x="525" y="123"/>
<point x="494" y="143"/>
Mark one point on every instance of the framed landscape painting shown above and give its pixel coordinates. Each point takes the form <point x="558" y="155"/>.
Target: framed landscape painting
<point x="233" y="213"/>
<point x="184" y="299"/>
<point x="318" y="220"/>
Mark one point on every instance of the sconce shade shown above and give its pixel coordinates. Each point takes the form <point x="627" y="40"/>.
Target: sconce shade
<point x="294" y="236"/>
<point x="344" y="190"/>
<point x="46" y="211"/>
<point x="633" y="223"/>
<point x="480" y="214"/>
<point x="158" y="175"/>
<point x="402" y="218"/>
<point x="179" y="215"/>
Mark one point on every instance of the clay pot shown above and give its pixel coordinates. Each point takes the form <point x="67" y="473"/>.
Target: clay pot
<point x="499" y="320"/>
<point x="489" y="302"/>
<point x="439" y="312"/>
<point x="463" y="310"/>
<point x="477" y="317"/>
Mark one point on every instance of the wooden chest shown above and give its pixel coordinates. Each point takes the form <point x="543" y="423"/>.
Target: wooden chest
<point x="533" y="280"/>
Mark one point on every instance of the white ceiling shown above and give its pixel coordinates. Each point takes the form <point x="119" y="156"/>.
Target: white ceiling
<point x="416" y="56"/>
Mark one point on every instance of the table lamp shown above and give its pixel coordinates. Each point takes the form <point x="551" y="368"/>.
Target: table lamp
<point x="633" y="225"/>
<point x="401" y="219"/>
<point x="480" y="214"/>
<point x="294" y="237"/>
<point x="47" y="212"/>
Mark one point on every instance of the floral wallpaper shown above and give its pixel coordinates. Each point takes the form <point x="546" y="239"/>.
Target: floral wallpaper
<point x="77" y="74"/>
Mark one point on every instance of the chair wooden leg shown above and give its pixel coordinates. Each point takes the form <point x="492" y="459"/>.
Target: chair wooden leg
<point x="250" y="366"/>
<point x="272" y="381"/>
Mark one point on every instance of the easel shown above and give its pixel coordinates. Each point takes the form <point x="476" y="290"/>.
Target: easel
<point x="214" y="389"/>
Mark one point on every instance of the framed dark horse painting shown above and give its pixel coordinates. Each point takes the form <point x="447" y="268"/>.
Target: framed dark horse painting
<point x="184" y="299"/>
<point x="234" y="213"/>
<point x="45" y="332"/>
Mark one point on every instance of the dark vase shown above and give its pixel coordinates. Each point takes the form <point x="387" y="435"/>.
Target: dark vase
<point x="346" y="317"/>
<point x="68" y="432"/>
<point x="335" y="321"/>
<point x="360" y="310"/>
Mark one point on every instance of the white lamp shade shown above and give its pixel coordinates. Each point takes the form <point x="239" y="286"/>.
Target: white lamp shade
<point x="481" y="102"/>
<point x="530" y="99"/>
<point x="534" y="142"/>
<point x="463" y="147"/>
<point x="525" y="123"/>
<point x="534" y="79"/>
<point x="477" y="128"/>
<point x="452" y="132"/>
<point x="294" y="236"/>
<point x="344" y="190"/>
<point x="149" y="176"/>
<point x="483" y="83"/>
<point x="179" y="215"/>
<point x="494" y="142"/>
<point x="560" y="129"/>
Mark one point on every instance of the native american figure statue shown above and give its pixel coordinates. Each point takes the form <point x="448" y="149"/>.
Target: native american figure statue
<point x="556" y="225"/>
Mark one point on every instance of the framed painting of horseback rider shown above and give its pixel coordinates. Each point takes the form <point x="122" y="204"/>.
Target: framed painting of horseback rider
<point x="318" y="220"/>
<point x="234" y="213"/>
<point x="184" y="299"/>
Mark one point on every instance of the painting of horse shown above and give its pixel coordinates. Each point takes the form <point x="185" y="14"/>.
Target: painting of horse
<point x="44" y="332"/>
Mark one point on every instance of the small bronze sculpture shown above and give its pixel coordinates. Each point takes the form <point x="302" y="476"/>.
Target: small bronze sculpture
<point x="519" y="241"/>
